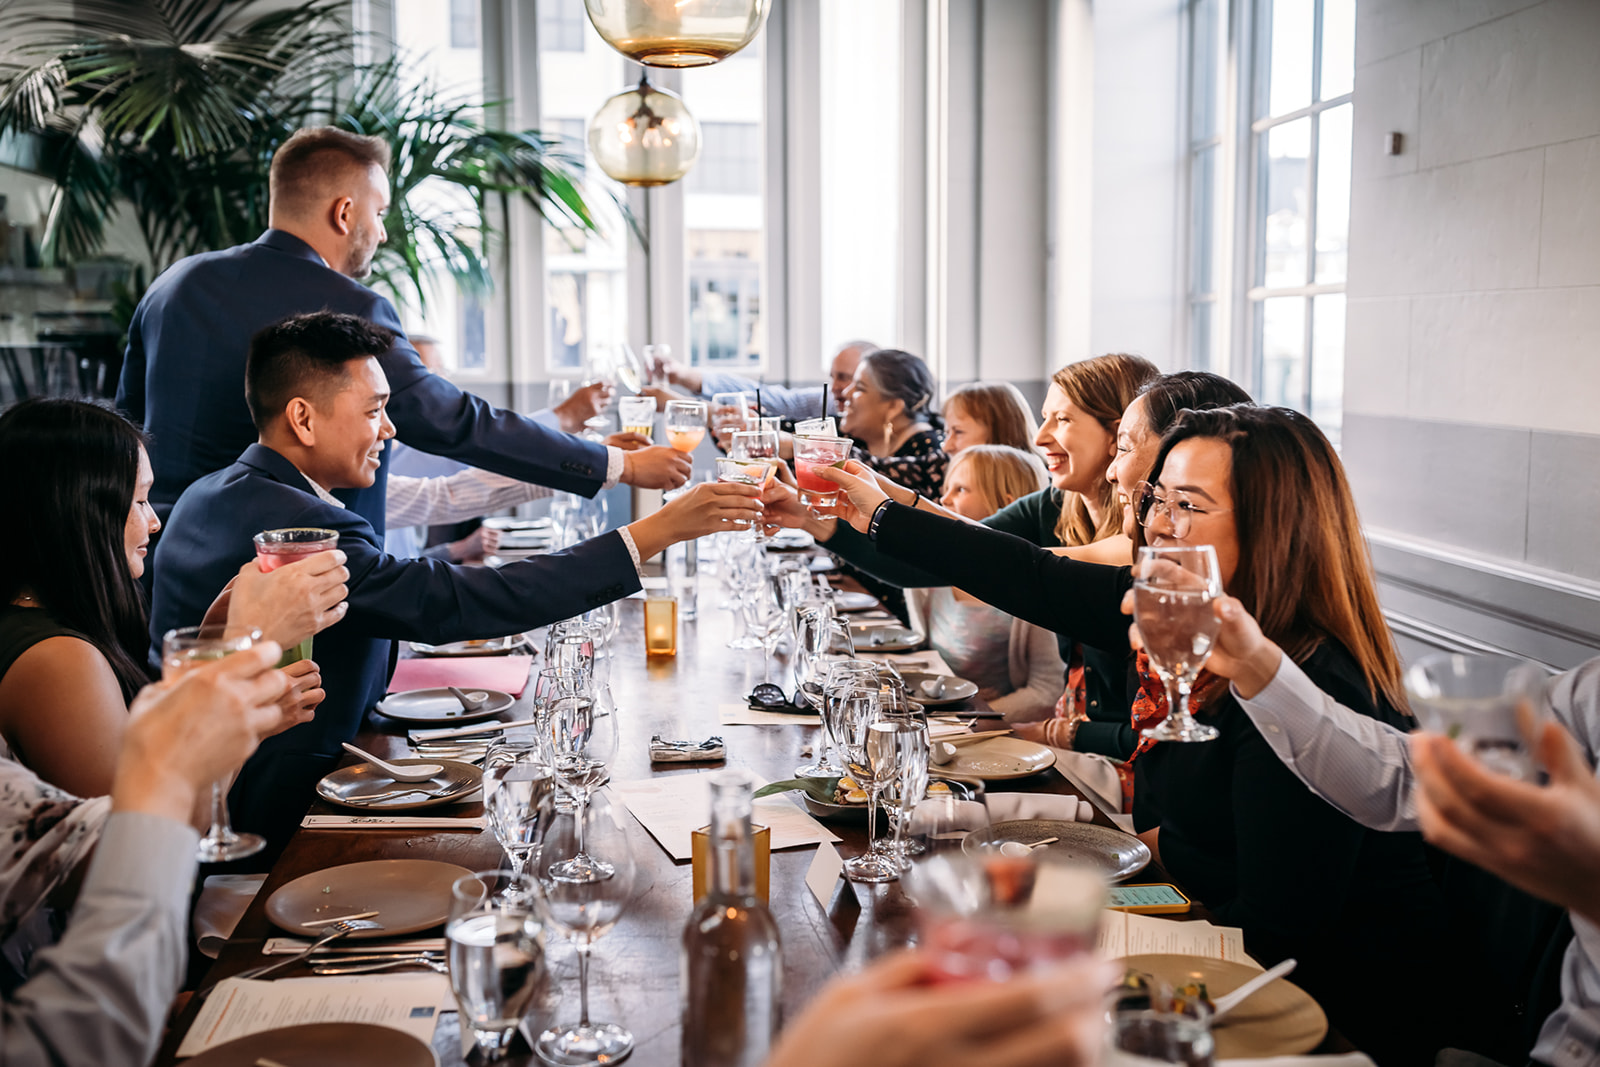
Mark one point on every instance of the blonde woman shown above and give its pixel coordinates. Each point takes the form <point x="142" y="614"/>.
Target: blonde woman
<point x="1015" y="665"/>
<point x="988" y="413"/>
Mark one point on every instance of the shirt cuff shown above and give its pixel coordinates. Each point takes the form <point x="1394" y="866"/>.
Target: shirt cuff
<point x="633" y="551"/>
<point x="614" y="464"/>
<point x="1288" y="700"/>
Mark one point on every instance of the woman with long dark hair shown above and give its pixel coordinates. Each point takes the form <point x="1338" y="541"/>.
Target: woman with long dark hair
<point x="73" y="625"/>
<point x="1264" y="488"/>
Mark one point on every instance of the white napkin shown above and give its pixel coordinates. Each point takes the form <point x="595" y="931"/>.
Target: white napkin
<point x="1004" y="807"/>
<point x="391" y="822"/>
<point x="222" y="903"/>
<point x="1346" y="1059"/>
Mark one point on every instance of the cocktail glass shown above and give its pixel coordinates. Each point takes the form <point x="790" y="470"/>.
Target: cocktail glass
<point x="279" y="548"/>
<point x="811" y="454"/>
<point x="686" y="424"/>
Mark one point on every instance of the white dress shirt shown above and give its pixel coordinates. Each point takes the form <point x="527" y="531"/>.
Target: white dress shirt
<point x="1363" y="768"/>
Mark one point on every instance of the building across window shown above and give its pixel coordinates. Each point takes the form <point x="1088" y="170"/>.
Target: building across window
<point x="464" y="16"/>
<point x="561" y="24"/>
<point x="730" y="159"/>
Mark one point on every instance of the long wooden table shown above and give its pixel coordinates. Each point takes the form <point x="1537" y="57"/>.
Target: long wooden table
<point x="634" y="976"/>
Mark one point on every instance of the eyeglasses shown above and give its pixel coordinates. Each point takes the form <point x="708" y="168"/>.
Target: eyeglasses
<point x="1178" y="508"/>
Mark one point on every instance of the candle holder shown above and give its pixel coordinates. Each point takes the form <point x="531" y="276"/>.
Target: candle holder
<point x="661" y="626"/>
<point x="700" y="860"/>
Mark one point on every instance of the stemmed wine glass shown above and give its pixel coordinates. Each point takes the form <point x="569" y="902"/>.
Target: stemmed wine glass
<point x="897" y="748"/>
<point x="1173" y="592"/>
<point x="686" y="424"/>
<point x="870" y="763"/>
<point x="496" y="955"/>
<point x="517" y="777"/>
<point x="768" y="620"/>
<point x="746" y="567"/>
<point x="584" y="900"/>
<point x="182" y="650"/>
<point x="729" y="412"/>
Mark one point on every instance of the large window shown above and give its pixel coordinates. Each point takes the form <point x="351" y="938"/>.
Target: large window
<point x="1289" y="248"/>
<point x="723" y="208"/>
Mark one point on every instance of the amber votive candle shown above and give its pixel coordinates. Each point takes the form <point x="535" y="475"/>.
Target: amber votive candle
<point x="661" y="626"/>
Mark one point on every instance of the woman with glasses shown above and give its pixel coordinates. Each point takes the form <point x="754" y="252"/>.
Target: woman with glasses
<point x="1263" y="487"/>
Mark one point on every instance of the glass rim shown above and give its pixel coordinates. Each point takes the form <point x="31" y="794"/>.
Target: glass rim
<point x="294" y="535"/>
<point x="182" y="638"/>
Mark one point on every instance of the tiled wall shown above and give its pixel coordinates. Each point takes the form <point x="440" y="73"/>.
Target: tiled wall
<point x="1472" y="388"/>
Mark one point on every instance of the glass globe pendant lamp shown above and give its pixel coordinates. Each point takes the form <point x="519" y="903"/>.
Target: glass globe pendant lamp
<point x="677" y="33"/>
<point x="644" y="136"/>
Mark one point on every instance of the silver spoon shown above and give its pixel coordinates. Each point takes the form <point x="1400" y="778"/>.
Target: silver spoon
<point x="470" y="702"/>
<point x="411" y="772"/>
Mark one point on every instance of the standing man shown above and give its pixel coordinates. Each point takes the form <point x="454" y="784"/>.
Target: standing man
<point x="183" y="376"/>
<point x="791" y="404"/>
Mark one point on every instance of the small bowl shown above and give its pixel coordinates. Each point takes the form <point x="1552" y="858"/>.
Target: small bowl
<point x="856" y="814"/>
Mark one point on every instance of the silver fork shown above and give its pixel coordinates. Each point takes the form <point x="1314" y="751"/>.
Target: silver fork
<point x="333" y="933"/>
<point x="332" y="968"/>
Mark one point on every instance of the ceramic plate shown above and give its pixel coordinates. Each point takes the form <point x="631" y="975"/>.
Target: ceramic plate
<point x="348" y="785"/>
<point x="877" y="636"/>
<point x="1279" y="1020"/>
<point x="848" y="601"/>
<point x="408" y="895"/>
<point x="322" y="1045"/>
<point x="857" y="813"/>
<point x="790" y="541"/>
<point x="494" y="646"/>
<point x="1118" y="854"/>
<point x="439" y="707"/>
<point x="999" y="758"/>
<point x="923" y="688"/>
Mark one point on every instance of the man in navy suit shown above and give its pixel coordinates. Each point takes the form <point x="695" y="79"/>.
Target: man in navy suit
<point x="318" y="396"/>
<point x="183" y="376"/>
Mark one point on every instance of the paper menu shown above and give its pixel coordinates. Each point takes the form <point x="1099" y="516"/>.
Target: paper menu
<point x="741" y="715"/>
<point x="673" y="806"/>
<point x="1124" y="933"/>
<point x="239" y="1007"/>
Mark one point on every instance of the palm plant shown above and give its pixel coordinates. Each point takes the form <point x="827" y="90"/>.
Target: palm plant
<point x="174" y="107"/>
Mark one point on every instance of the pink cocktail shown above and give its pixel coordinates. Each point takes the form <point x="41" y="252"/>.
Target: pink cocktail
<point x="686" y="440"/>
<point x="279" y="548"/>
<point x="812" y="454"/>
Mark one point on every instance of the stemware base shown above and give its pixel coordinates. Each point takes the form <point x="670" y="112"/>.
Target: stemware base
<point x="577" y="1045"/>
<point x="746" y="641"/>
<point x="819" y="770"/>
<point x="581" y="869"/>
<point x="228" y="845"/>
<point x="872" y="867"/>
<point x="1170" y="730"/>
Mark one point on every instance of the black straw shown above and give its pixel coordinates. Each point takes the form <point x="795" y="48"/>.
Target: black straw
<point x="824" y="399"/>
<point x="758" y="401"/>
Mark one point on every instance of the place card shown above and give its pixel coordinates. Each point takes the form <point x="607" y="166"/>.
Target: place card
<point x="239" y="1007"/>
<point x="743" y="715"/>
<point x="1122" y="933"/>
<point x="672" y="807"/>
<point x="823" y="874"/>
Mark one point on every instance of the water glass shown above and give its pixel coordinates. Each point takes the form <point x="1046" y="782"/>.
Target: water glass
<point x="496" y="950"/>
<point x="1173" y="593"/>
<point x="1488" y="704"/>
<point x="638" y="415"/>
<point x="517" y="777"/>
<point x="1139" y="1038"/>
<point x="182" y="650"/>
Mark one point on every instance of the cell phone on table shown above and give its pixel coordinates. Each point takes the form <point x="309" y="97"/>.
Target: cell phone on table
<point x="1158" y="899"/>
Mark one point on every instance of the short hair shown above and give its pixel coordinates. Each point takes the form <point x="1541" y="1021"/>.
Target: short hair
<point x="305" y="356"/>
<point x="307" y="163"/>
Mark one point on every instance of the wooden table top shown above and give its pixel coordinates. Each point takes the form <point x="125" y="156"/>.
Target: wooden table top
<point x="634" y="976"/>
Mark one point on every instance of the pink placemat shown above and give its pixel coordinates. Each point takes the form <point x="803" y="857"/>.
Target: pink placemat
<point x="509" y="674"/>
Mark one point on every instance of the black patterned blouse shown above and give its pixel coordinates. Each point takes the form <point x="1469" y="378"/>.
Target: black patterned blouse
<point x="918" y="464"/>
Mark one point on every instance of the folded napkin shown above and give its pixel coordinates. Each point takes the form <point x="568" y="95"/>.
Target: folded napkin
<point x="222" y="903"/>
<point x="392" y="822"/>
<point x="1345" y="1059"/>
<point x="509" y="674"/>
<point x="1004" y="807"/>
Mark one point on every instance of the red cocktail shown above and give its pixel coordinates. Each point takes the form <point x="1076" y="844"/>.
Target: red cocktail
<point x="812" y="454"/>
<point x="279" y="548"/>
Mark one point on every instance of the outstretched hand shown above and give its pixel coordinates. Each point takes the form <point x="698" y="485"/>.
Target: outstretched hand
<point x="707" y="508"/>
<point x="862" y="495"/>
<point x="1544" y="839"/>
<point x="656" y="467"/>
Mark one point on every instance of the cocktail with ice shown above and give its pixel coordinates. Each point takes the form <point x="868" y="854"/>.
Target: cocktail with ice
<point x="279" y="548"/>
<point x="812" y="453"/>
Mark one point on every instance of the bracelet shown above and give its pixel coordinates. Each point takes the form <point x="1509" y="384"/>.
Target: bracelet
<point x="877" y="517"/>
<point x="916" y="500"/>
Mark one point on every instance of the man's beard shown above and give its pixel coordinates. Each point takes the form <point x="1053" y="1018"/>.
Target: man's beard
<point x="359" y="263"/>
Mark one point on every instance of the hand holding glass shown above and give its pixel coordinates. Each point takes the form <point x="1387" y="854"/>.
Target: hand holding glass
<point x="1173" y="593"/>
<point x="686" y="424"/>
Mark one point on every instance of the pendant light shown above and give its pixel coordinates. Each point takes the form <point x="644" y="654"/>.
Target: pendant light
<point x="644" y="136"/>
<point x="677" y="33"/>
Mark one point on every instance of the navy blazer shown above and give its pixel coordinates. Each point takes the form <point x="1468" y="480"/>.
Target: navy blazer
<point x="208" y="538"/>
<point x="183" y="377"/>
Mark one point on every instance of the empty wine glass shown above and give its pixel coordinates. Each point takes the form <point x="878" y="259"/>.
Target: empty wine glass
<point x="768" y="621"/>
<point x="729" y="412"/>
<point x="1173" y="592"/>
<point x="583" y="902"/>
<point x="496" y="955"/>
<point x="182" y="650"/>
<point x="871" y="756"/>
<point x="517" y="777"/>
<point x="898" y="747"/>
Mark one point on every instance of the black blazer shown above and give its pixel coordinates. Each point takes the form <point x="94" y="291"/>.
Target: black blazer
<point x="208" y="538"/>
<point x="183" y="377"/>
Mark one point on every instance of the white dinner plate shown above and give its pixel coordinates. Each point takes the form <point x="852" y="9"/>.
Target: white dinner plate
<point x="439" y="707"/>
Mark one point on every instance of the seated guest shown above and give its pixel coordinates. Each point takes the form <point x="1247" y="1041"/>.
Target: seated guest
<point x="1359" y="909"/>
<point x="73" y="629"/>
<point x="983" y="413"/>
<point x="1014" y="664"/>
<point x="318" y="395"/>
<point x="888" y="410"/>
<point x="776" y="400"/>
<point x="1544" y="839"/>
<point x="102" y="993"/>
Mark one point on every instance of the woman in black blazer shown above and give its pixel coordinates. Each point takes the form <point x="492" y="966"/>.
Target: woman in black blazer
<point x="1262" y="486"/>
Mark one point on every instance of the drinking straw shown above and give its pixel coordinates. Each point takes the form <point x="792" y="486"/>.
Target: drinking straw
<point x="824" y="398"/>
<point x="758" y="400"/>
